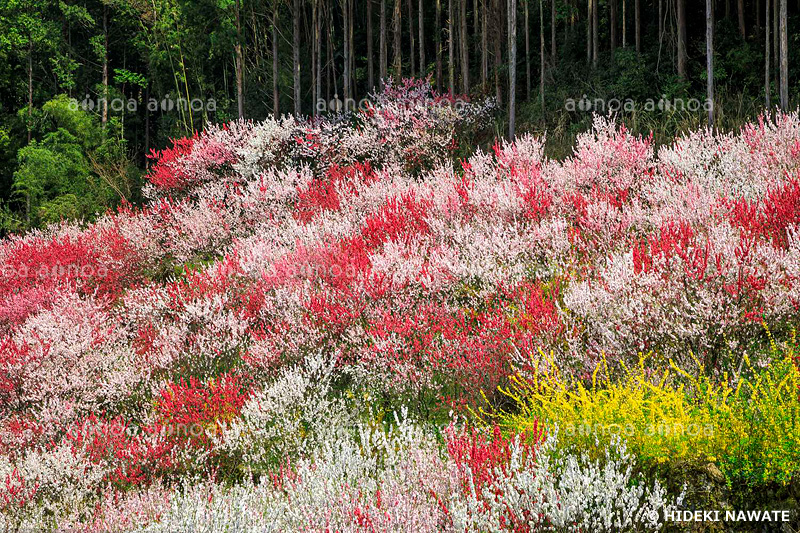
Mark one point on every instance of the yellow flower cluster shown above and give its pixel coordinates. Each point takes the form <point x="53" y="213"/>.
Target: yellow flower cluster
<point x="748" y="425"/>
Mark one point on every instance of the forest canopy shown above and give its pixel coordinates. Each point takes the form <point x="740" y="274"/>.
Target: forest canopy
<point x="88" y="89"/>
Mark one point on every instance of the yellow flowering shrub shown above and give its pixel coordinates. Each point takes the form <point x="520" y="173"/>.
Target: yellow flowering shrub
<point x="749" y="426"/>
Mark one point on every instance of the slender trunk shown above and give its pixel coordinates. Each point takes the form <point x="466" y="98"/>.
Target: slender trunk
<point x="527" y="49"/>
<point x="346" y="45"/>
<point x="553" y="30"/>
<point x="370" y="62"/>
<point x="450" y="50"/>
<point x="740" y="9"/>
<point x="484" y="46"/>
<point x="30" y="86"/>
<point x="595" y="32"/>
<point x="296" y="56"/>
<point x="188" y="110"/>
<point x="710" y="59"/>
<point x="624" y="27"/>
<point x="438" y="39"/>
<point x="660" y="25"/>
<point x="613" y="24"/>
<point x="398" y="57"/>
<point x="784" y="58"/>
<point x="147" y="125"/>
<point x="314" y="96"/>
<point x="776" y="43"/>
<point x="383" y="52"/>
<point x="464" y="47"/>
<point x="318" y="54"/>
<point x="574" y="15"/>
<point x="351" y="27"/>
<point x="411" y="37"/>
<point x="476" y="6"/>
<point x="681" y="38"/>
<point x="541" y="55"/>
<point x="767" y="76"/>
<point x="275" y="95"/>
<point x="239" y="63"/>
<point x="512" y="67"/>
<point x="423" y="68"/>
<point x="331" y="78"/>
<point x="331" y="62"/>
<point x="589" y="18"/>
<point x="498" y="55"/>
<point x="638" y="22"/>
<point x="104" y="118"/>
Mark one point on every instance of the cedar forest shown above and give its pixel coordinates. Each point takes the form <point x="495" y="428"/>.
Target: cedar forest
<point x="138" y="73"/>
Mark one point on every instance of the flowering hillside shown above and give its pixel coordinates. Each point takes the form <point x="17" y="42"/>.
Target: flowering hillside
<point x="330" y="326"/>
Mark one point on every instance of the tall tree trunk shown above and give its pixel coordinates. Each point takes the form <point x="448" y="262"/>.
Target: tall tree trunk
<point x="624" y="27"/>
<point x="383" y="67"/>
<point x="710" y="59"/>
<point x="411" y="37"/>
<point x="438" y="42"/>
<point x="613" y="24"/>
<point x="660" y="25"/>
<point x="589" y="18"/>
<point x="239" y="63"/>
<point x="314" y="39"/>
<point x="464" y="42"/>
<point x="498" y="55"/>
<point x="331" y="63"/>
<point x="681" y="38"/>
<point x="784" y="58"/>
<point x="541" y="55"/>
<point x="638" y="23"/>
<point x="484" y="46"/>
<point x="318" y="54"/>
<point x="104" y="118"/>
<point x="512" y="67"/>
<point x="553" y="30"/>
<point x="767" y="74"/>
<point x="346" y="44"/>
<point x="595" y="32"/>
<point x="740" y="9"/>
<point x="450" y="49"/>
<point x="296" y="56"/>
<point x="370" y="62"/>
<point x="476" y="8"/>
<point x="397" y="65"/>
<point x="776" y="43"/>
<point x="527" y="49"/>
<point x="275" y="95"/>
<point x="30" y="87"/>
<point x="147" y="123"/>
<point x="352" y="48"/>
<point x="423" y="68"/>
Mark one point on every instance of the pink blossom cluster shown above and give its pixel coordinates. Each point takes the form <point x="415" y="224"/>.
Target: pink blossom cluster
<point x="164" y="342"/>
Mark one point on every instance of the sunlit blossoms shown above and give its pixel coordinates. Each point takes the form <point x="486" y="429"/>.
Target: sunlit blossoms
<point x="296" y="329"/>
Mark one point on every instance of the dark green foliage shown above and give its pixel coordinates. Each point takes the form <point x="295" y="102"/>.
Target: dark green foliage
<point x="157" y="52"/>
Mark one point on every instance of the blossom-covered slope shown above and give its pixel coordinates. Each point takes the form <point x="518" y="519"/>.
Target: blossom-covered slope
<point x="297" y="299"/>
